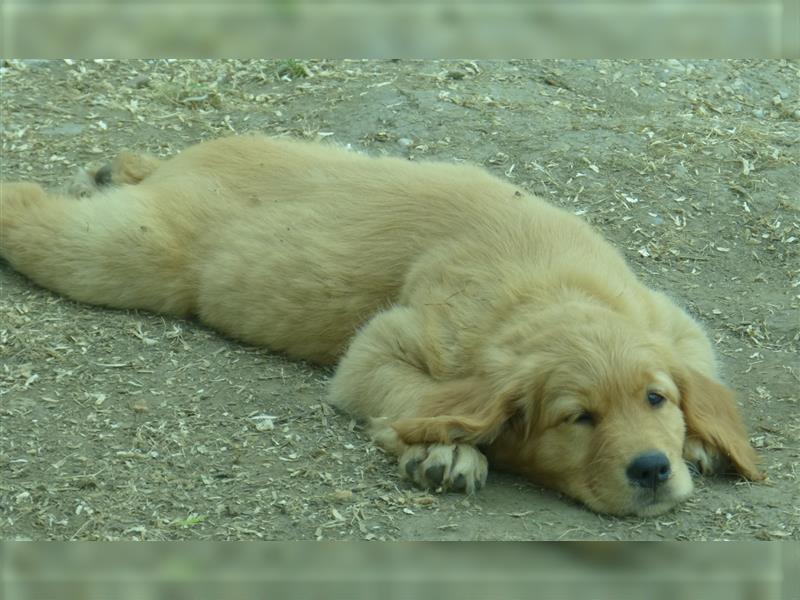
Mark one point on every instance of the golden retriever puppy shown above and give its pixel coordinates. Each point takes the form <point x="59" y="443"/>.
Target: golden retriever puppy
<point x="472" y="323"/>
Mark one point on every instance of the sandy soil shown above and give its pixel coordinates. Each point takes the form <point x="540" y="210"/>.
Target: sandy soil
<point x="127" y="425"/>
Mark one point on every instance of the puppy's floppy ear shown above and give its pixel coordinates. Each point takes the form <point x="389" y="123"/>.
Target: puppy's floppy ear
<point x="711" y="415"/>
<point x="466" y="411"/>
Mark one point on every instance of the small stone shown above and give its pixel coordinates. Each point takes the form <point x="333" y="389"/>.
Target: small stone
<point x="139" y="81"/>
<point x="263" y="422"/>
<point x="680" y="171"/>
<point x="343" y="495"/>
<point x="64" y="129"/>
<point x="36" y="63"/>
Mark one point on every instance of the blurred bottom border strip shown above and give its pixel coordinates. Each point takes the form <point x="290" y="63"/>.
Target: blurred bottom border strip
<point x="357" y="590"/>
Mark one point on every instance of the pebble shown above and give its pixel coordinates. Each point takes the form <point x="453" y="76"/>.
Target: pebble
<point x="37" y="62"/>
<point x="65" y="129"/>
<point x="680" y="171"/>
<point x="405" y="142"/>
<point x="263" y="422"/>
<point x="139" y="81"/>
<point x="343" y="495"/>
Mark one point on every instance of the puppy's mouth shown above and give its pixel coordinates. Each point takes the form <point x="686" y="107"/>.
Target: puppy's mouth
<point x="648" y="502"/>
<point x="638" y="502"/>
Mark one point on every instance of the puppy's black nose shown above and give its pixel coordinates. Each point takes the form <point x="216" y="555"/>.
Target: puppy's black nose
<point x="649" y="470"/>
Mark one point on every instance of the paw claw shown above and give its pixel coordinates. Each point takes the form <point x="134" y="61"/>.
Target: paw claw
<point x="103" y="176"/>
<point x="411" y="467"/>
<point x="435" y="475"/>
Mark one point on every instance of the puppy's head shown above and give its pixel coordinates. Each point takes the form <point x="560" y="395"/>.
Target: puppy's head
<point x="593" y="406"/>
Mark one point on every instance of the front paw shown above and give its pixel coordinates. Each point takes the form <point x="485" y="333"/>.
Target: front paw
<point x="449" y="467"/>
<point x="703" y="458"/>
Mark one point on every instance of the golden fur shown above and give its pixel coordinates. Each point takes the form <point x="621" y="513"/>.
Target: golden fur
<point x="468" y="318"/>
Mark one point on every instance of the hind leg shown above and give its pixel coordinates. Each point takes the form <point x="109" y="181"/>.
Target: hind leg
<point x="126" y="169"/>
<point x="16" y="197"/>
<point x="113" y="249"/>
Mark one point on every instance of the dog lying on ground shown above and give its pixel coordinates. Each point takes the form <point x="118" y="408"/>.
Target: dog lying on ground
<point x="469" y="320"/>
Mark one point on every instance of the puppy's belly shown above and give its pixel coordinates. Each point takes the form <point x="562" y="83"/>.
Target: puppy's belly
<point x="295" y="292"/>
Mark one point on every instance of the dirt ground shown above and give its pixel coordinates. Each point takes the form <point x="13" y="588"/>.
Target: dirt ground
<point x="126" y="425"/>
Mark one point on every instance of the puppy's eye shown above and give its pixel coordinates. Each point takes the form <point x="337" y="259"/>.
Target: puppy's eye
<point x="585" y="418"/>
<point x="655" y="399"/>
